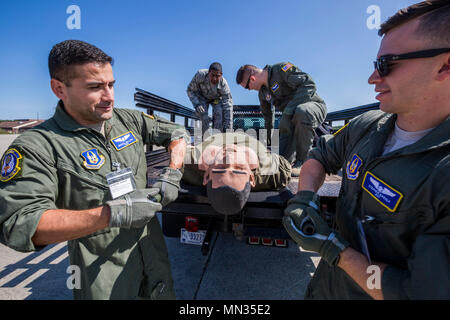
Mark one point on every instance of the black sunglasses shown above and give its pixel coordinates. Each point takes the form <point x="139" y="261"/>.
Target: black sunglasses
<point x="382" y="63"/>
<point x="248" y="82"/>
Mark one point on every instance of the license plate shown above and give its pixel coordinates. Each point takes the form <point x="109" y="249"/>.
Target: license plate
<point x="190" y="237"/>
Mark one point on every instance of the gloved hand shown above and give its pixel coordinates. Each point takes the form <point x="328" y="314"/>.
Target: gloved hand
<point x="168" y="185"/>
<point x="302" y="215"/>
<point x="200" y="109"/>
<point x="133" y="210"/>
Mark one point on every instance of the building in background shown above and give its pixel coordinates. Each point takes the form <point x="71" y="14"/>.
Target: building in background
<point x="18" y="126"/>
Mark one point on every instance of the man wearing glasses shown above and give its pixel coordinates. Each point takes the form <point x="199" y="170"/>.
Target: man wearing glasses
<point x="209" y="87"/>
<point x="393" y="215"/>
<point x="293" y="92"/>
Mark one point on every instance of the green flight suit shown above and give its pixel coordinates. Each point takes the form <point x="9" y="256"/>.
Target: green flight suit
<point x="63" y="166"/>
<point x="293" y="92"/>
<point x="273" y="173"/>
<point x="403" y="199"/>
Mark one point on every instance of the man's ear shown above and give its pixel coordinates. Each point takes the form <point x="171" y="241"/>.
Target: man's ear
<point x="252" y="180"/>
<point x="58" y="88"/>
<point x="444" y="72"/>
<point x="207" y="158"/>
<point x="206" y="177"/>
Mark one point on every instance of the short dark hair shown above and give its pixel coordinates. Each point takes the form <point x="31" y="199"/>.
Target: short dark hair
<point x="244" y="71"/>
<point x="68" y="53"/>
<point x="215" y="66"/>
<point x="434" y="18"/>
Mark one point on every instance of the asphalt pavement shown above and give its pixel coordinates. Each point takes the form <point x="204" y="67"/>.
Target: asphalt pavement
<point x="232" y="270"/>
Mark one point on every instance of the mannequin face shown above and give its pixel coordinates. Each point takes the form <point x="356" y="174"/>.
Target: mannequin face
<point x="230" y="165"/>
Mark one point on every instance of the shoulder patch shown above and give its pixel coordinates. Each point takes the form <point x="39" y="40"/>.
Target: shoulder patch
<point x="10" y="164"/>
<point x="286" y="67"/>
<point x="92" y="159"/>
<point x="353" y="167"/>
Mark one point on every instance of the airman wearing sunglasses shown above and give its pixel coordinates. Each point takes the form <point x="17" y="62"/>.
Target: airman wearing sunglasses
<point x="292" y="91"/>
<point x="393" y="215"/>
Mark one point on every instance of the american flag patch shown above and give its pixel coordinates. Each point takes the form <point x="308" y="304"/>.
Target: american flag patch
<point x="287" y="66"/>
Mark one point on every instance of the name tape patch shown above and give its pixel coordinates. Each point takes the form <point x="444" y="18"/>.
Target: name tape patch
<point x="92" y="159"/>
<point x="11" y="163"/>
<point x="387" y="196"/>
<point x="124" y="140"/>
<point x="275" y="87"/>
<point x="353" y="167"/>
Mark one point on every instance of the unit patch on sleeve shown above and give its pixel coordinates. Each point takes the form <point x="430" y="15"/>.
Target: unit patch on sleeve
<point x="124" y="140"/>
<point x="353" y="167"/>
<point x="10" y="164"/>
<point x="387" y="196"/>
<point x="92" y="159"/>
<point x="286" y="67"/>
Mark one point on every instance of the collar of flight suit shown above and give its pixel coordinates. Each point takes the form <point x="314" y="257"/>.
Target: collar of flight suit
<point x="67" y="123"/>
<point x="436" y="138"/>
<point x="269" y="76"/>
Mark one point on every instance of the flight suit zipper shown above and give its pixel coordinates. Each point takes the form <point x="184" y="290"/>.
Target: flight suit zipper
<point x="104" y="141"/>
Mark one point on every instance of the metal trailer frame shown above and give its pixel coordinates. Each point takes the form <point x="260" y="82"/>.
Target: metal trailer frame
<point x="263" y="212"/>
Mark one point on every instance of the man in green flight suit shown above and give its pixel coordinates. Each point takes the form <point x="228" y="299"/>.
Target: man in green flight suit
<point x="292" y="91"/>
<point x="393" y="212"/>
<point x="81" y="177"/>
<point x="231" y="165"/>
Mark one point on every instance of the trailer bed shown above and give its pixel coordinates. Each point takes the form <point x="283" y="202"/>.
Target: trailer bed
<point x="261" y="218"/>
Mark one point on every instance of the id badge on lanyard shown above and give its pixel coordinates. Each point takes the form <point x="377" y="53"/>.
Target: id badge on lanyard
<point x="120" y="182"/>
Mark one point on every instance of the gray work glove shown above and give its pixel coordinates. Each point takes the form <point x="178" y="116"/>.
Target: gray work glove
<point x="168" y="185"/>
<point x="200" y="108"/>
<point x="133" y="210"/>
<point x="305" y="226"/>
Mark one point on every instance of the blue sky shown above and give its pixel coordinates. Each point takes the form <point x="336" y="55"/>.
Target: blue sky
<point x="159" y="45"/>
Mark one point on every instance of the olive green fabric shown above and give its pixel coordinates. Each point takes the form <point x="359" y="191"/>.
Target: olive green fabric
<point x="115" y="263"/>
<point x="412" y="237"/>
<point x="294" y="87"/>
<point x="274" y="171"/>
<point x="293" y="92"/>
<point x="168" y="185"/>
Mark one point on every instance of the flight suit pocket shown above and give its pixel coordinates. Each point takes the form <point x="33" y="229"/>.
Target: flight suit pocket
<point x="391" y="235"/>
<point x="410" y="219"/>
<point x="79" y="191"/>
